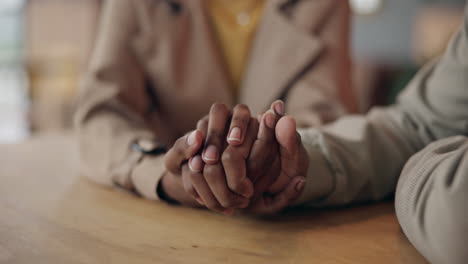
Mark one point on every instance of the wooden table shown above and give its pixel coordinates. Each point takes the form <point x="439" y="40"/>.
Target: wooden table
<point x="49" y="214"/>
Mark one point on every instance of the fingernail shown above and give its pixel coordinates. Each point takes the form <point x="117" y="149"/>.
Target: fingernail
<point x="191" y="139"/>
<point x="200" y="201"/>
<point x="279" y="108"/>
<point x="300" y="185"/>
<point x="235" y="134"/>
<point x="211" y="153"/>
<point x="196" y="164"/>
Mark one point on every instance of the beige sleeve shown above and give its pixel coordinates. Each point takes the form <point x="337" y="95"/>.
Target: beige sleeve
<point x="112" y="106"/>
<point x="359" y="158"/>
<point x="328" y="86"/>
<point x="431" y="200"/>
<point x="432" y="194"/>
<point x="356" y="159"/>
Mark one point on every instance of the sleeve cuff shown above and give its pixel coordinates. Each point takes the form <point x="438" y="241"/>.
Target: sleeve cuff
<point x="147" y="174"/>
<point x="319" y="179"/>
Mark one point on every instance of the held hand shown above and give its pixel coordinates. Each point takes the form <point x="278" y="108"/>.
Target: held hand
<point x="277" y="164"/>
<point x="175" y="160"/>
<point x="271" y="161"/>
<point x="218" y="187"/>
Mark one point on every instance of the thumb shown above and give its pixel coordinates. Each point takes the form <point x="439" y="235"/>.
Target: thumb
<point x="287" y="136"/>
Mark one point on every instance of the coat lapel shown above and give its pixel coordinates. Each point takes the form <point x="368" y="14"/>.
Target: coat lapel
<point x="281" y="51"/>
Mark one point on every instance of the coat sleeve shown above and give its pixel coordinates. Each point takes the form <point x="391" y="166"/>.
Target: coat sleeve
<point x="360" y="158"/>
<point x="433" y="188"/>
<point x="112" y="106"/>
<point x="431" y="197"/>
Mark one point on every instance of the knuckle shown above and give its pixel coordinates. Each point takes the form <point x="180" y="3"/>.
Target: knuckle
<point x="170" y="164"/>
<point x="179" y="146"/>
<point x="242" y="108"/>
<point x="194" y="177"/>
<point x="228" y="156"/>
<point x="219" y="108"/>
<point x="236" y="185"/>
<point x="180" y="142"/>
<point x="180" y="153"/>
<point x="241" y="118"/>
<point x="210" y="171"/>
<point x="190" y="190"/>
<point x="214" y="134"/>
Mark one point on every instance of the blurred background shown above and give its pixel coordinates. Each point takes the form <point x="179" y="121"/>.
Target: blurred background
<point x="45" y="46"/>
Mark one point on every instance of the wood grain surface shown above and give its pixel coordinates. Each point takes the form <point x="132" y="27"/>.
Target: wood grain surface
<point x="50" y="214"/>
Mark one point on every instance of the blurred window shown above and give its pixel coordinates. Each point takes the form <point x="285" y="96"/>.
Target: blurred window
<point x="366" y="7"/>
<point x="13" y="83"/>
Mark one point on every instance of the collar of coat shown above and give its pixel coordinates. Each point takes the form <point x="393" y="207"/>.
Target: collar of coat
<point x="276" y="59"/>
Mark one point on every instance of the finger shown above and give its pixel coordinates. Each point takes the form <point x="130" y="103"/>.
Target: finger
<point x="287" y="136"/>
<point x="183" y="149"/>
<point x="276" y="203"/>
<point x="239" y="122"/>
<point x="269" y="121"/>
<point x="278" y="107"/>
<point x="214" y="176"/>
<point x="259" y="117"/>
<point x="196" y="163"/>
<point x="234" y="163"/>
<point x="266" y="132"/>
<point x="219" y="116"/>
<point x="265" y="149"/>
<point x="290" y="147"/>
<point x="267" y="178"/>
<point x="202" y="125"/>
<point x="201" y="191"/>
<point x="187" y="184"/>
<point x="250" y="137"/>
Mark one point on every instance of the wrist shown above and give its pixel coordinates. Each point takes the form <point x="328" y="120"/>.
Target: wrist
<point x="171" y="190"/>
<point x="164" y="187"/>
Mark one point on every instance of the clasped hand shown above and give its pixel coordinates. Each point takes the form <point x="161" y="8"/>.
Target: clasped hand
<point x="233" y="161"/>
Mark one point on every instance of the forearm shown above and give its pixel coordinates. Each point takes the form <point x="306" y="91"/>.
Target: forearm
<point x="107" y="157"/>
<point x="365" y="154"/>
<point x="431" y="200"/>
<point x="112" y="107"/>
<point x="356" y="158"/>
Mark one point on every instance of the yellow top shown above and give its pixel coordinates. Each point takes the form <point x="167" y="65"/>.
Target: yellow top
<point x="234" y="23"/>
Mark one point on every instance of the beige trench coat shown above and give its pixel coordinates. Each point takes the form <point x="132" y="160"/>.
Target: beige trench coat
<point x="156" y="71"/>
